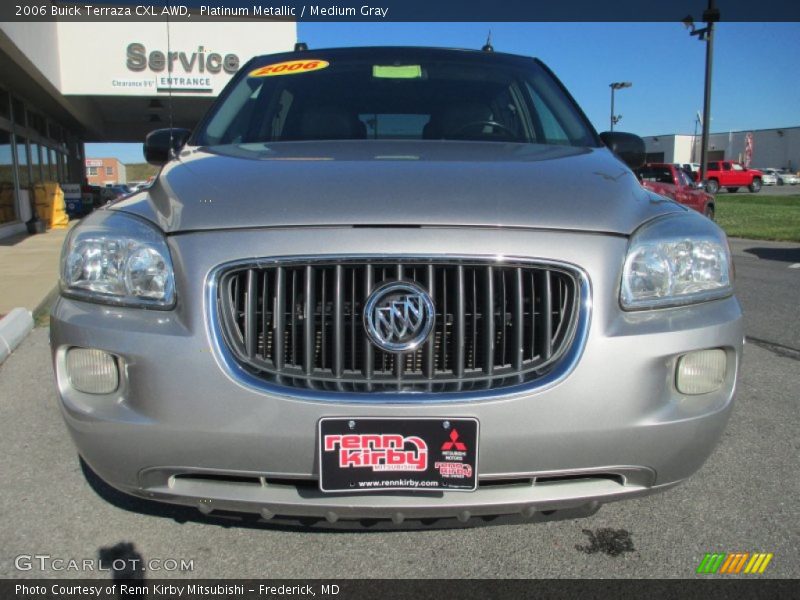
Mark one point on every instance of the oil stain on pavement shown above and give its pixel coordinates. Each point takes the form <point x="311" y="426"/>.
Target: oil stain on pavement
<point x="612" y="542"/>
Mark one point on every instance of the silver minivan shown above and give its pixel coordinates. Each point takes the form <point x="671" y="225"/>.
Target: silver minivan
<point x="396" y="284"/>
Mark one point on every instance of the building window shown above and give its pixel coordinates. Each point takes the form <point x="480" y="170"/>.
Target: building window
<point x="53" y="164"/>
<point x="18" y="112"/>
<point x="109" y="171"/>
<point x="37" y="123"/>
<point x="5" y="106"/>
<point x="91" y="171"/>
<point x="23" y="171"/>
<point x="36" y="164"/>
<point x="8" y="208"/>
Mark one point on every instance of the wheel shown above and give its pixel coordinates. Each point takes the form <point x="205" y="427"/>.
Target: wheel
<point x="755" y="186"/>
<point x="709" y="211"/>
<point x="712" y="186"/>
<point x="732" y="190"/>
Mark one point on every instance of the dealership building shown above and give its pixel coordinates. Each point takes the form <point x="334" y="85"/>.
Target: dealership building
<point x="105" y="171"/>
<point x="778" y="148"/>
<point x="66" y="83"/>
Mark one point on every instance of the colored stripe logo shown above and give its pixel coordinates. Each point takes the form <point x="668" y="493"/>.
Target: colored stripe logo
<point x="734" y="563"/>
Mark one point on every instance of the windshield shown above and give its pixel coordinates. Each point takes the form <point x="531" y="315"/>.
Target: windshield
<point x="394" y="95"/>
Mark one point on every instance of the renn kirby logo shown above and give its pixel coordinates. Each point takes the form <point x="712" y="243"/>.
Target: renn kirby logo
<point x="455" y="470"/>
<point x="384" y="452"/>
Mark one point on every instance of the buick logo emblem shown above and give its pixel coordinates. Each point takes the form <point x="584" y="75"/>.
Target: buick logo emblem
<point x="399" y="316"/>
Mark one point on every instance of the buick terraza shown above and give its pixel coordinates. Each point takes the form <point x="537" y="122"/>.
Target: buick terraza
<point x="396" y="284"/>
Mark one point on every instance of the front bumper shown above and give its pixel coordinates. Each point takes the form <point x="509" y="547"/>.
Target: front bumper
<point x="183" y="428"/>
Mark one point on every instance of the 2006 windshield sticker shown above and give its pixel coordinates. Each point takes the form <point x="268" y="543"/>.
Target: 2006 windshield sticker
<point x="290" y="67"/>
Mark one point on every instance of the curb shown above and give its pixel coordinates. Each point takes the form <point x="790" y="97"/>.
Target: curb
<point x="46" y="302"/>
<point x="14" y="327"/>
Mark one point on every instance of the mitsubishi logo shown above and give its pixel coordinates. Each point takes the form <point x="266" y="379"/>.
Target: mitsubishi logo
<point x="399" y="316"/>
<point x="454" y="442"/>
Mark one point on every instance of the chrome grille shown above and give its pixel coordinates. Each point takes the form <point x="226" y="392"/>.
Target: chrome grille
<point x="300" y="324"/>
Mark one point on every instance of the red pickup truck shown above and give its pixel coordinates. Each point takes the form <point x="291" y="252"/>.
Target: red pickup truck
<point x="731" y="175"/>
<point x="672" y="182"/>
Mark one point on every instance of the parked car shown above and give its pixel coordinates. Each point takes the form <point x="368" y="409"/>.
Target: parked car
<point x="769" y="176"/>
<point x="395" y="283"/>
<point x="732" y="176"/>
<point x="690" y="168"/>
<point x="89" y="200"/>
<point x="786" y="177"/>
<point x="674" y="183"/>
<point x="135" y="186"/>
<point x="111" y="193"/>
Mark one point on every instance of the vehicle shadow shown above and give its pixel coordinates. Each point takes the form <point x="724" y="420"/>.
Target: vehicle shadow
<point x="791" y="255"/>
<point x="227" y="519"/>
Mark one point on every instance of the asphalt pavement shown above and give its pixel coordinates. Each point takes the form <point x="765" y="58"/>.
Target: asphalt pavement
<point x="745" y="499"/>
<point x="768" y="287"/>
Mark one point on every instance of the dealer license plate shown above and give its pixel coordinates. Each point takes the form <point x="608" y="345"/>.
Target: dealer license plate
<point x="364" y="454"/>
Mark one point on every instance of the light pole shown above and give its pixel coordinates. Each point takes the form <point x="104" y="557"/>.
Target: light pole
<point x="706" y="34"/>
<point x="697" y="121"/>
<point x="614" y="87"/>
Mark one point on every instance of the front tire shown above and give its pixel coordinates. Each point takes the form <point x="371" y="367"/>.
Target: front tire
<point x="712" y="186"/>
<point x="755" y="186"/>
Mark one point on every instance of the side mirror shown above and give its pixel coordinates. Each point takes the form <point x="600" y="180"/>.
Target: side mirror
<point x="157" y="149"/>
<point x="628" y="147"/>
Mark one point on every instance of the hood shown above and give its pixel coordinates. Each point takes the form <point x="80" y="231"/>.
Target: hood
<point x="396" y="183"/>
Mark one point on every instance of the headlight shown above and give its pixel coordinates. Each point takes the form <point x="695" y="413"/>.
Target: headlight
<point x="674" y="260"/>
<point x="117" y="258"/>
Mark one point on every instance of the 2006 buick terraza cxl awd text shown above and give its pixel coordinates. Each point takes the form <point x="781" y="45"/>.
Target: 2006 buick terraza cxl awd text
<point x="400" y="284"/>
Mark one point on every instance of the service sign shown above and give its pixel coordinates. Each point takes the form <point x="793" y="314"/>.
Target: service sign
<point x="150" y="59"/>
<point x="372" y="455"/>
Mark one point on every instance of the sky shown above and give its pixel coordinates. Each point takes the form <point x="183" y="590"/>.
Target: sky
<point x="755" y="80"/>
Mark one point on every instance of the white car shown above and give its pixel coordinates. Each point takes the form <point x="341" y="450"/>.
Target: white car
<point x="782" y="176"/>
<point x="768" y="176"/>
<point x="786" y="177"/>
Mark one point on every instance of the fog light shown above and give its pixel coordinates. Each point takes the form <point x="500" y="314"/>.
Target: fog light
<point x="701" y="372"/>
<point x="92" y="371"/>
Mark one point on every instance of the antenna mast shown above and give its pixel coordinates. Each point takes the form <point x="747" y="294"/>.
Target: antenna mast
<point x="169" y="88"/>
<point x="487" y="47"/>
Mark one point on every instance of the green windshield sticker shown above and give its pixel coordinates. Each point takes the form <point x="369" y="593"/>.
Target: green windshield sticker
<point x="397" y="72"/>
